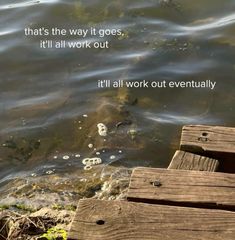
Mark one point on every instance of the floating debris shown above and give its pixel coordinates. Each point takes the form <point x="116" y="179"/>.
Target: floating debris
<point x="23" y="121"/>
<point x="112" y="157"/>
<point x="132" y="132"/>
<point x="55" y="157"/>
<point x="88" y="167"/>
<point x="102" y="129"/>
<point x="120" y="151"/>
<point x="33" y="175"/>
<point x="66" y="157"/>
<point x="85" y="115"/>
<point x="49" y="172"/>
<point x="97" y="153"/>
<point x="90" y="145"/>
<point x="123" y="123"/>
<point x="77" y="155"/>
<point x="89" y="162"/>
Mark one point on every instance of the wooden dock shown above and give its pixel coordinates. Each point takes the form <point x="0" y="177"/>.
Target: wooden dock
<point x="188" y="201"/>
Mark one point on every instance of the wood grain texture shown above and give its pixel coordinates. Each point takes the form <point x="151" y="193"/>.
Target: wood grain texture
<point x="189" y="161"/>
<point x="121" y="220"/>
<point x="201" y="139"/>
<point x="183" y="188"/>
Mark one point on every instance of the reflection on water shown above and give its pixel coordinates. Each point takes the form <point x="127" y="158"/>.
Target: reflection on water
<point x="51" y="97"/>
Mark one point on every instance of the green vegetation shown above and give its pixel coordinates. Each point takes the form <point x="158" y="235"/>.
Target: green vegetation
<point x="4" y="207"/>
<point x="61" y="207"/>
<point x="54" y="234"/>
<point x="21" y="207"/>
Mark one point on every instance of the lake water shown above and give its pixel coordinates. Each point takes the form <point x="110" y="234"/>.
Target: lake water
<point x="50" y="103"/>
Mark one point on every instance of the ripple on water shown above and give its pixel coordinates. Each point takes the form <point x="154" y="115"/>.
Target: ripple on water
<point x="26" y="4"/>
<point x="199" y="27"/>
<point x="98" y="72"/>
<point x="188" y="67"/>
<point x="132" y="55"/>
<point x="177" y="119"/>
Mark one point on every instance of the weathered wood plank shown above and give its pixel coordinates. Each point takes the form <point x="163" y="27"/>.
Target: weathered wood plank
<point x="183" y="188"/>
<point x="201" y="139"/>
<point x="120" y="220"/>
<point x="189" y="161"/>
<point x="211" y="141"/>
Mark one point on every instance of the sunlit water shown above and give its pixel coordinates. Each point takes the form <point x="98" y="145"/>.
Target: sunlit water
<point x="45" y="93"/>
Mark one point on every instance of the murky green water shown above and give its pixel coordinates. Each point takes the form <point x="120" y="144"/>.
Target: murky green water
<point x="45" y="94"/>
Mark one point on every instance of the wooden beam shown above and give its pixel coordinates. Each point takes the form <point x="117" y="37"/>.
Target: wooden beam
<point x="189" y="161"/>
<point x="201" y="139"/>
<point x="183" y="188"/>
<point x="120" y="220"/>
<point x="211" y="141"/>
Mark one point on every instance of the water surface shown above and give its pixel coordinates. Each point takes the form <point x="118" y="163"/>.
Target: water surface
<point x="45" y="94"/>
